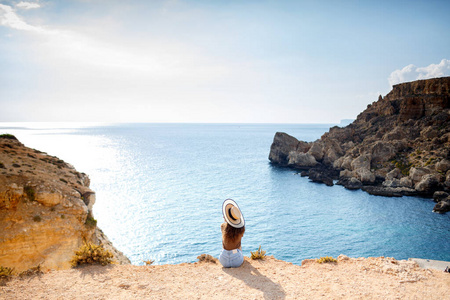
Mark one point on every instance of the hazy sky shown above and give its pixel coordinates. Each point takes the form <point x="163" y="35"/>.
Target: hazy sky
<point x="213" y="61"/>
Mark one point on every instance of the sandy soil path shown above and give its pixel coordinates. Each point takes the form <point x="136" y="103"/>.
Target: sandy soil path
<point x="349" y="278"/>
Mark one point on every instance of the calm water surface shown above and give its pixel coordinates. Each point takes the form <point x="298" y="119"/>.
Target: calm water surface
<point x="160" y="188"/>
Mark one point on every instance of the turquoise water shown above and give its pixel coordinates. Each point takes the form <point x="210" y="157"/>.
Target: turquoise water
<point x="159" y="190"/>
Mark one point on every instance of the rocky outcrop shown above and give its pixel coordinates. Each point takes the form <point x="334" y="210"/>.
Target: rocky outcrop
<point x="283" y="144"/>
<point x="442" y="206"/>
<point x="399" y="145"/>
<point x="443" y="202"/>
<point x="45" y="209"/>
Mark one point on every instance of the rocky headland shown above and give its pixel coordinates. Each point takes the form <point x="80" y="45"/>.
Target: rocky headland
<point x="45" y="210"/>
<point x="399" y="145"/>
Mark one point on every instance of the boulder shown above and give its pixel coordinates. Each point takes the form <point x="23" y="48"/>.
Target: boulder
<point x="442" y="206"/>
<point x="392" y="183"/>
<point x="443" y="166"/>
<point x="440" y="195"/>
<point x="303" y="146"/>
<point x="282" y="145"/>
<point x="317" y="151"/>
<point x="337" y="164"/>
<point x="447" y="180"/>
<point x="49" y="198"/>
<point x="353" y="184"/>
<point x="317" y="175"/>
<point x="389" y="191"/>
<point x="301" y="160"/>
<point x="333" y="151"/>
<point x="406" y="182"/>
<point x="394" y="174"/>
<point x="382" y="191"/>
<point x="347" y="163"/>
<point x="429" y="132"/>
<point x="398" y="133"/>
<point x="347" y="145"/>
<point x="365" y="176"/>
<point x="416" y="174"/>
<point x="361" y="162"/>
<point x="330" y="156"/>
<point x="345" y="173"/>
<point x="382" y="152"/>
<point x="428" y="184"/>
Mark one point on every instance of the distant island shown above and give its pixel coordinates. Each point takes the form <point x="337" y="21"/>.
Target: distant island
<point x="345" y="122"/>
<point x="399" y="145"/>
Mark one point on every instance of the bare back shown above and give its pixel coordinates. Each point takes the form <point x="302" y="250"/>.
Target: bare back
<point x="230" y="244"/>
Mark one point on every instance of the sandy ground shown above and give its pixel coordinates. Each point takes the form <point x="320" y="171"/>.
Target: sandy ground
<point x="354" y="278"/>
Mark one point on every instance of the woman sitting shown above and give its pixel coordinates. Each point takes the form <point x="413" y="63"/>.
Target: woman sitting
<point x="232" y="232"/>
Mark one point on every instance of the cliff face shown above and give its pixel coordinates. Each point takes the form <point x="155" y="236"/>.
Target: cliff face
<point x="45" y="209"/>
<point x="399" y="145"/>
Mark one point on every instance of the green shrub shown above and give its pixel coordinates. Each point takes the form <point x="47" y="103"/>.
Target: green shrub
<point x="29" y="191"/>
<point x="403" y="166"/>
<point x="90" y="221"/>
<point x="91" y="254"/>
<point x="5" y="272"/>
<point x="326" y="259"/>
<point x="37" y="218"/>
<point x="258" y="254"/>
<point x="207" y="258"/>
<point x="8" y="136"/>
<point x="430" y="161"/>
<point x="31" y="271"/>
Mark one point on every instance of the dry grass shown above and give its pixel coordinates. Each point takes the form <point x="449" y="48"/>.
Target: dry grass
<point x="258" y="254"/>
<point x="326" y="259"/>
<point x="91" y="254"/>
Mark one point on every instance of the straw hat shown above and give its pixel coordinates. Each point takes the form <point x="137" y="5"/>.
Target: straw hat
<point x="232" y="214"/>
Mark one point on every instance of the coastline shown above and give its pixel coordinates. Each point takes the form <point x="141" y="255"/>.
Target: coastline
<point x="373" y="277"/>
<point x="398" y="146"/>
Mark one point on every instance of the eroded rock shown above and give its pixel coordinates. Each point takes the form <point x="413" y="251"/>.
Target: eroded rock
<point x="442" y="206"/>
<point x="43" y="219"/>
<point x="301" y="160"/>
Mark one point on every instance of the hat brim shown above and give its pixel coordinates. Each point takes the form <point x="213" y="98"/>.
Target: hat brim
<point x="234" y="222"/>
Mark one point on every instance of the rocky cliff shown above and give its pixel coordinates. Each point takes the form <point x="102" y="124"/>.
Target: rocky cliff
<point x="399" y="145"/>
<point x="45" y="210"/>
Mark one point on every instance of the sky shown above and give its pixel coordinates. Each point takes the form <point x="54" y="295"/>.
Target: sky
<point x="213" y="61"/>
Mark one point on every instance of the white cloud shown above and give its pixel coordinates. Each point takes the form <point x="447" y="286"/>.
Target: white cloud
<point x="27" y="5"/>
<point x="161" y="59"/>
<point x="411" y="72"/>
<point x="9" y="18"/>
<point x="435" y="70"/>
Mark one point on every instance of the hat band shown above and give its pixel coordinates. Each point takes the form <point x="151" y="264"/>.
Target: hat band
<point x="231" y="215"/>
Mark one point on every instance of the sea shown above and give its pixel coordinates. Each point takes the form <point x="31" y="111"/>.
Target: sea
<point x="160" y="188"/>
